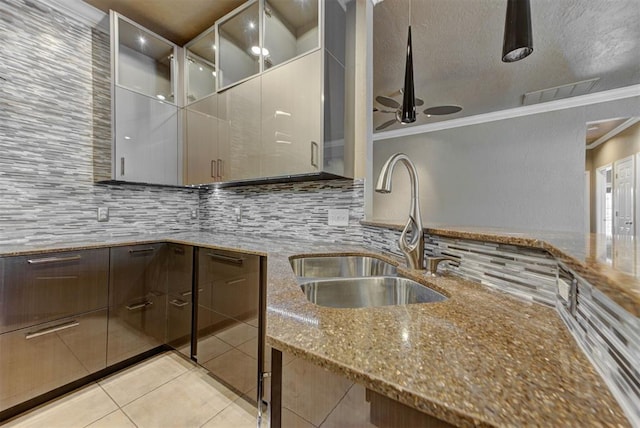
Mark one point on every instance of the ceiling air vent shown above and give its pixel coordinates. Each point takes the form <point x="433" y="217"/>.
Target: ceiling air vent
<point x="559" y="92"/>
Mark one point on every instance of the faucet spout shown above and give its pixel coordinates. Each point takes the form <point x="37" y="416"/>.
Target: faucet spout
<point x="411" y="241"/>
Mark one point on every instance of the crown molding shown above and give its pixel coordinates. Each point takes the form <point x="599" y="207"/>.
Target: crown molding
<point x="579" y="101"/>
<point x="609" y="135"/>
<point x="81" y="12"/>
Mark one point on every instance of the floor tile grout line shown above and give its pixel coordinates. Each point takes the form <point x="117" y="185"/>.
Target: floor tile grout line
<point x="337" y="404"/>
<point x="148" y="392"/>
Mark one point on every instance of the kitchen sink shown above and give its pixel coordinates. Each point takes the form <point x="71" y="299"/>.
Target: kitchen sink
<point x="368" y="291"/>
<point x="341" y="267"/>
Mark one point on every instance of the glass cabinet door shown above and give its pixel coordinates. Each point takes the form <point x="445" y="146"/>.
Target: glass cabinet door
<point x="200" y="67"/>
<point x="290" y="30"/>
<point x="145" y="62"/>
<point x="145" y="112"/>
<point x="239" y="45"/>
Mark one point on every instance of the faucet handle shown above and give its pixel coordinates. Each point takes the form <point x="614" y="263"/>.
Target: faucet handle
<point x="433" y="262"/>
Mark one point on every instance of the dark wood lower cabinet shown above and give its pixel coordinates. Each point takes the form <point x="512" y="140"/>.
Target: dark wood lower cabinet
<point x="137" y="300"/>
<point x="40" y="358"/>
<point x="180" y="297"/>
<point x="228" y="322"/>
<point x="152" y="291"/>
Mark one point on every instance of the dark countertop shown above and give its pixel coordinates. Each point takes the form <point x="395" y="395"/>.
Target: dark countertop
<point x="478" y="358"/>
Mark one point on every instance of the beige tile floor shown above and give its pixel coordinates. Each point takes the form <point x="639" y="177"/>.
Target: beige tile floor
<point x="164" y="391"/>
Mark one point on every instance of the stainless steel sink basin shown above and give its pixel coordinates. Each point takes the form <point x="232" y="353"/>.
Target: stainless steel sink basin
<point x="341" y="267"/>
<point x="368" y="291"/>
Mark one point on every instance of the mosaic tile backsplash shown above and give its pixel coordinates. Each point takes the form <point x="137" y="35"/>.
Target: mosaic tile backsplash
<point x="288" y="210"/>
<point x="54" y="124"/>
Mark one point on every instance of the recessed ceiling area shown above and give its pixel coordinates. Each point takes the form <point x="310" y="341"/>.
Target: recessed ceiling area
<point x="457" y="46"/>
<point x="176" y="20"/>
<point x="597" y="130"/>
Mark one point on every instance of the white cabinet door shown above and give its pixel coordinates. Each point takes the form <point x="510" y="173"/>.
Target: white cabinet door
<point x="292" y="118"/>
<point x="201" y="122"/>
<point x="146" y="139"/>
<point x="239" y="131"/>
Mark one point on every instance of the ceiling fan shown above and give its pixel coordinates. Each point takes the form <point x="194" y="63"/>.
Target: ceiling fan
<point x="392" y="103"/>
<point x="395" y="105"/>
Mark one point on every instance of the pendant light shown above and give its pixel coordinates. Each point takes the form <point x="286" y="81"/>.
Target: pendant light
<point x="408" y="114"/>
<point x="518" y="39"/>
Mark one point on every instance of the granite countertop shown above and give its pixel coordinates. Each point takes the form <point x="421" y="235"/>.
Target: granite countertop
<point x="611" y="263"/>
<point x="478" y="358"/>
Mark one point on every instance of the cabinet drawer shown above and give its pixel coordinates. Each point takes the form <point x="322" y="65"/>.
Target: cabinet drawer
<point x="137" y="300"/>
<point x="217" y="265"/>
<point x="237" y="297"/>
<point x="46" y="287"/>
<point x="40" y="358"/>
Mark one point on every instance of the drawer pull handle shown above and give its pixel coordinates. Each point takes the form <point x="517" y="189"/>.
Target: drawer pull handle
<point x="178" y="303"/>
<point x="139" y="305"/>
<point x="50" y="330"/>
<point x="236" y="281"/>
<point x="189" y="293"/>
<point x="227" y="259"/>
<point x="53" y="260"/>
<point x="49" y="278"/>
<point x="142" y="250"/>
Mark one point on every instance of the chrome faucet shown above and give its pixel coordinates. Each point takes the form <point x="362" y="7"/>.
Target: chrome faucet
<point x="411" y="241"/>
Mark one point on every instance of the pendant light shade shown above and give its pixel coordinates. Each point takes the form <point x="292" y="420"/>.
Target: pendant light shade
<point x="518" y="39"/>
<point x="408" y="94"/>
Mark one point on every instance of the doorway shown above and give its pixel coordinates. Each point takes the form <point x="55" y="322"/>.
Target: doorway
<point x="604" y="200"/>
<point x="623" y="200"/>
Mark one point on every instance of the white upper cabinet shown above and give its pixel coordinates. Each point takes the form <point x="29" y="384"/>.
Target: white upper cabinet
<point x="239" y="131"/>
<point x="145" y="145"/>
<point x="292" y="118"/>
<point x="203" y="163"/>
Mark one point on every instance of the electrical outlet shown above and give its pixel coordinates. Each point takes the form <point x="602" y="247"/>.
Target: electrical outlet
<point x="194" y="213"/>
<point x="338" y="217"/>
<point x="103" y="214"/>
<point x="238" y="213"/>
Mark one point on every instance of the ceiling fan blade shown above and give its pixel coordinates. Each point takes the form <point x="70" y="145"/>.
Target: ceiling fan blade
<point x="419" y="102"/>
<point x="386" y="125"/>
<point x="387" y="102"/>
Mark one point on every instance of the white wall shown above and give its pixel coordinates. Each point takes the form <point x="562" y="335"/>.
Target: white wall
<point x="520" y="173"/>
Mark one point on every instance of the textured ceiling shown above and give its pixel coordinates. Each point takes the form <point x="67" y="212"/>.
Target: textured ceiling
<point x="457" y="47"/>
<point x="176" y="20"/>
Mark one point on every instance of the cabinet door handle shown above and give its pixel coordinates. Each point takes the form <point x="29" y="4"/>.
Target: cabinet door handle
<point x="214" y="168"/>
<point x="53" y="260"/>
<point x="139" y="305"/>
<point x="189" y="293"/>
<point x="314" y="154"/>
<point x="50" y="330"/>
<point x="122" y="166"/>
<point x="236" y="281"/>
<point x="178" y="303"/>
<point x="141" y="250"/>
<point x="227" y="259"/>
<point x="220" y="168"/>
